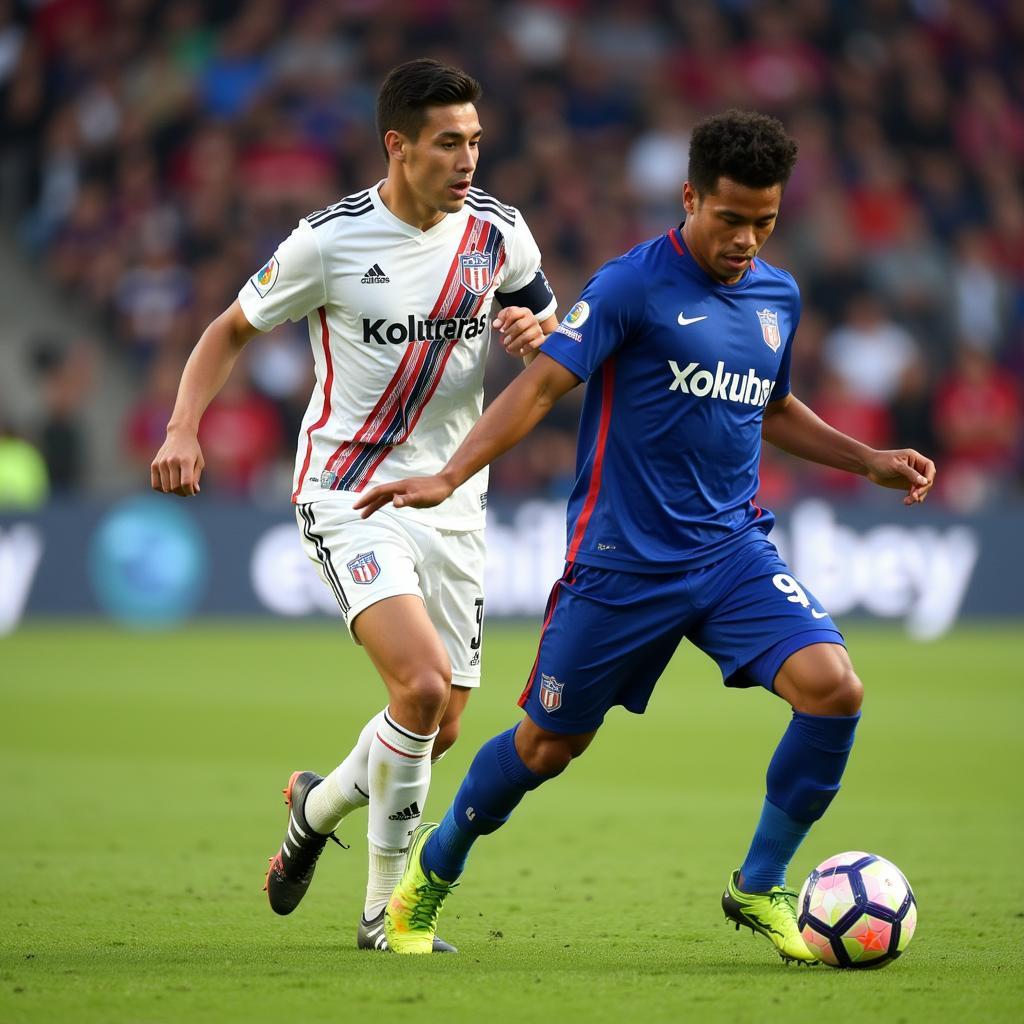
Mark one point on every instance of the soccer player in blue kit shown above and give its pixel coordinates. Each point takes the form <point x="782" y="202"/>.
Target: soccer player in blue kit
<point x="685" y="345"/>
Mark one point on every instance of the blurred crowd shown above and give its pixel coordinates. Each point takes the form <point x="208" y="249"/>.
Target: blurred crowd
<point x="152" y="155"/>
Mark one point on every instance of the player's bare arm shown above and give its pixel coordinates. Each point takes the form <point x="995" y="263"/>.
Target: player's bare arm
<point x="521" y="333"/>
<point x="795" y="428"/>
<point x="509" y="418"/>
<point x="179" y="463"/>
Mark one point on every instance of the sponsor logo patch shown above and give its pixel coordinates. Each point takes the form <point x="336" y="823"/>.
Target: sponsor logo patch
<point x="265" y="279"/>
<point x="374" y="275"/>
<point x="770" y="328"/>
<point x="550" y="692"/>
<point x="385" y="332"/>
<point x="721" y="384"/>
<point x="364" y="568"/>
<point x="477" y="270"/>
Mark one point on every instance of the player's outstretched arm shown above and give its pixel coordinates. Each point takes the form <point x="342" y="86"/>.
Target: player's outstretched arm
<point x="508" y="419"/>
<point x="178" y="465"/>
<point x="797" y="429"/>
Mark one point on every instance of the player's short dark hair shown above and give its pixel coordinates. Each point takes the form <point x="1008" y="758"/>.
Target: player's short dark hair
<point x="751" y="149"/>
<point x="412" y="87"/>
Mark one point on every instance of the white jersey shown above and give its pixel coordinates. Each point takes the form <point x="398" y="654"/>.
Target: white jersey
<point x="399" y="325"/>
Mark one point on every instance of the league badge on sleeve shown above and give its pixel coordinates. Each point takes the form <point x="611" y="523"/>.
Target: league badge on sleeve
<point x="364" y="568"/>
<point x="576" y="317"/>
<point x="550" y="692"/>
<point x="477" y="270"/>
<point x="770" y="328"/>
<point x="263" y="280"/>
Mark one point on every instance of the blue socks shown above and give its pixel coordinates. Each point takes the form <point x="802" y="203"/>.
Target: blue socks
<point x="803" y="778"/>
<point x="495" y="783"/>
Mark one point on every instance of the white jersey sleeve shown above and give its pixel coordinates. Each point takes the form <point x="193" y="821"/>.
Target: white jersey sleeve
<point x="523" y="274"/>
<point x="290" y="286"/>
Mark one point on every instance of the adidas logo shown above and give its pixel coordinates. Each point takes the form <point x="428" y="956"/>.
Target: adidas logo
<point x="410" y="812"/>
<point x="375" y="276"/>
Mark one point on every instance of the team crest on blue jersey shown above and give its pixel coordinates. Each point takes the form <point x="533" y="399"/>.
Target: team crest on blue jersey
<point x="550" y="692"/>
<point x="364" y="568"/>
<point x="770" y="328"/>
<point x="477" y="270"/>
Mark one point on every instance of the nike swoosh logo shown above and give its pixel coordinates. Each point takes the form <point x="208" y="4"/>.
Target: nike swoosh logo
<point x="819" y="615"/>
<point x="686" y="321"/>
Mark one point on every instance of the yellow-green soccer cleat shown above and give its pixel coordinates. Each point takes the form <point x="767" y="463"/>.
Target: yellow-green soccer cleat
<point x="773" y="914"/>
<point x="410" y="918"/>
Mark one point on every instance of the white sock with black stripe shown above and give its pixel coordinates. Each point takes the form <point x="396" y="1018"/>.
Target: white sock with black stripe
<point x="347" y="787"/>
<point x="399" y="765"/>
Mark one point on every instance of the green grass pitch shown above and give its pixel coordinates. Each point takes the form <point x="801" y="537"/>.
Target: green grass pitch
<point x="142" y="778"/>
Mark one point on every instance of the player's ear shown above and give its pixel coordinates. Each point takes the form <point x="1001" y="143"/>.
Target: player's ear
<point x="394" y="143"/>
<point x="689" y="198"/>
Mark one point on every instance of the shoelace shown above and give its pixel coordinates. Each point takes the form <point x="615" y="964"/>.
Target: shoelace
<point x="299" y="861"/>
<point x="786" y="897"/>
<point x="428" y="906"/>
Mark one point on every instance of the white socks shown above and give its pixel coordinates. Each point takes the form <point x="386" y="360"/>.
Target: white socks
<point x="347" y="787"/>
<point x="399" y="766"/>
<point x="393" y="764"/>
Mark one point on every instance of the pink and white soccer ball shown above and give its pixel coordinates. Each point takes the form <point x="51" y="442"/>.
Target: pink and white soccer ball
<point x="857" y="910"/>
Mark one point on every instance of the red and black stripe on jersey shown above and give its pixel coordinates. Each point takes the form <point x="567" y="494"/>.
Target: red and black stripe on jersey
<point x="400" y="406"/>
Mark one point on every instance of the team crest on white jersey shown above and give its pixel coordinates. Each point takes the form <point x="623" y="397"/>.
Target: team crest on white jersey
<point x="770" y="328"/>
<point x="550" y="692"/>
<point x="477" y="270"/>
<point x="364" y="568"/>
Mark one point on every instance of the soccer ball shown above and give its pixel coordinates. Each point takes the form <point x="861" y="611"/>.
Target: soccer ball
<point x="857" y="910"/>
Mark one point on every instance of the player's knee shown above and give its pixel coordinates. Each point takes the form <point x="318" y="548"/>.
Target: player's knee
<point x="819" y="680"/>
<point x="842" y="692"/>
<point x="549" y="754"/>
<point x="426" y="693"/>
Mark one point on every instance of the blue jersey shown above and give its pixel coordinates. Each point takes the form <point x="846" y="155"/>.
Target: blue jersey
<point x="679" y="368"/>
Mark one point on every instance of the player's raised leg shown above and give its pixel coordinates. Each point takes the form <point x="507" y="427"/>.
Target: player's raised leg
<point x="802" y="780"/>
<point x="504" y="770"/>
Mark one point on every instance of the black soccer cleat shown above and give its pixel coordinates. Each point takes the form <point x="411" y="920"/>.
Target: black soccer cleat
<point x="291" y="868"/>
<point x="371" y="936"/>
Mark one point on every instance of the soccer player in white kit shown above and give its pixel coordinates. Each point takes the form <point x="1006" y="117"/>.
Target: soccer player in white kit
<point x="396" y="284"/>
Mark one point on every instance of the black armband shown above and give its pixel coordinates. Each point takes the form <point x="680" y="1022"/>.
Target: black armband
<point x="535" y="296"/>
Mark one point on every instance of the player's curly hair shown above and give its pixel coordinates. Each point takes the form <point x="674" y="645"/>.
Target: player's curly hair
<point x="412" y="87"/>
<point x="751" y="149"/>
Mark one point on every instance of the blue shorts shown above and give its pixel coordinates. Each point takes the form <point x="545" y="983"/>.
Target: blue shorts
<point x="608" y="634"/>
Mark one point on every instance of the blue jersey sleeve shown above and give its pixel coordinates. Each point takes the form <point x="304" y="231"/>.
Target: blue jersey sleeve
<point x="782" y="382"/>
<point x="609" y="310"/>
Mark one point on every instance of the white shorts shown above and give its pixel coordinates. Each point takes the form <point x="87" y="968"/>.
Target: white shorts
<point x="364" y="561"/>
